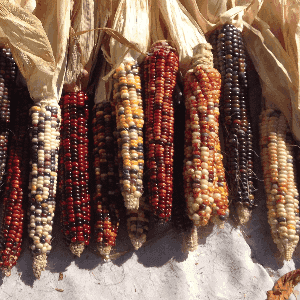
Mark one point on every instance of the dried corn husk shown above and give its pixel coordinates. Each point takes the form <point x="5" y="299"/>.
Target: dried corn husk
<point x="184" y="31"/>
<point x="80" y="46"/>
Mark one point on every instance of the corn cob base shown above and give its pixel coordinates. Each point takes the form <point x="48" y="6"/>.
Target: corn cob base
<point x="279" y="179"/>
<point x="190" y="241"/>
<point x="44" y="135"/>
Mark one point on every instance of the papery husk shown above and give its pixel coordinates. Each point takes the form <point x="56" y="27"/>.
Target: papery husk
<point x="31" y="50"/>
<point x="80" y="47"/>
<point x="132" y="22"/>
<point x="184" y="31"/>
<point x="104" y="87"/>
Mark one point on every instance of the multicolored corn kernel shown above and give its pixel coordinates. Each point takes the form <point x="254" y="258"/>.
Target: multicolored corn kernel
<point x="230" y="60"/>
<point x="279" y="179"/>
<point x="205" y="186"/>
<point x="75" y="206"/>
<point x="44" y="138"/>
<point x="160" y="72"/>
<point x="107" y="199"/>
<point x="127" y="97"/>
<point x="7" y="80"/>
<point x="15" y="187"/>
<point x="138" y="224"/>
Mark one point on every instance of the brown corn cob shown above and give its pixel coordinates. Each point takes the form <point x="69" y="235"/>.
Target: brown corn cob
<point x="75" y="207"/>
<point x="160" y="71"/>
<point x="230" y="60"/>
<point x="15" y="185"/>
<point x="7" y="80"/>
<point x="107" y="195"/>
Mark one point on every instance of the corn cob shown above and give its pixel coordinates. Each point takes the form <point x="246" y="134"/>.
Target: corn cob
<point x="44" y="135"/>
<point x="279" y="179"/>
<point x="230" y="61"/>
<point x="15" y="185"/>
<point x="205" y="186"/>
<point x="138" y="224"/>
<point x="75" y="207"/>
<point x="130" y="121"/>
<point x="7" y="79"/>
<point x="107" y="195"/>
<point x="160" y="71"/>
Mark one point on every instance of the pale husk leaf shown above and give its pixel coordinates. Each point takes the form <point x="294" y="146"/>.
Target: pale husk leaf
<point x="183" y="29"/>
<point x="132" y="21"/>
<point x="31" y="49"/>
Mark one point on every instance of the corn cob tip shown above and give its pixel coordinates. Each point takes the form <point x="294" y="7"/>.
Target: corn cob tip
<point x="6" y="272"/>
<point x="287" y="250"/>
<point x="137" y="242"/>
<point x="131" y="202"/>
<point x="77" y="248"/>
<point x="39" y="264"/>
<point x="190" y="241"/>
<point x="216" y="220"/>
<point x="244" y="214"/>
<point x="104" y="251"/>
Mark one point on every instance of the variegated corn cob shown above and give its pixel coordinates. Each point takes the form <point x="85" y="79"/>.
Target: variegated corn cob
<point x="75" y="207"/>
<point x="205" y="185"/>
<point x="279" y="179"/>
<point x="44" y="135"/>
<point x="107" y="200"/>
<point x="138" y="224"/>
<point x="230" y="61"/>
<point x="7" y="80"/>
<point x="15" y="187"/>
<point x="130" y="121"/>
<point x="160" y="71"/>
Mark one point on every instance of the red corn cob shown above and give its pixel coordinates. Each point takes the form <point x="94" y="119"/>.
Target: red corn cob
<point x="160" y="71"/>
<point x="107" y="198"/>
<point x="15" y="188"/>
<point x="76" y="209"/>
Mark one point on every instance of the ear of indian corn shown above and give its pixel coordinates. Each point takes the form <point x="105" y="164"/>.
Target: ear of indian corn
<point x="205" y="186"/>
<point x="230" y="61"/>
<point x="44" y="136"/>
<point x="160" y="71"/>
<point x="127" y="95"/>
<point x="279" y="180"/>
<point x="107" y="200"/>
<point x="15" y="187"/>
<point x="75" y="207"/>
<point x="7" y="80"/>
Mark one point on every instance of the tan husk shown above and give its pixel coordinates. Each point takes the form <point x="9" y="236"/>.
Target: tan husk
<point x="183" y="29"/>
<point x="132" y="22"/>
